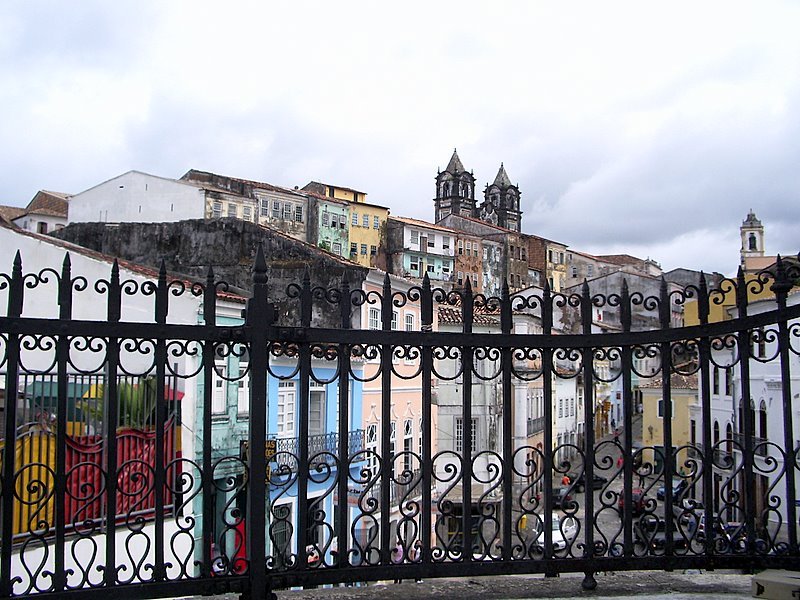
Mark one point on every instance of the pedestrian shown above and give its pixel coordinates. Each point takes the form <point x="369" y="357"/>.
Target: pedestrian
<point x="620" y="461"/>
<point x="565" y="480"/>
<point x="415" y="555"/>
<point x="398" y="556"/>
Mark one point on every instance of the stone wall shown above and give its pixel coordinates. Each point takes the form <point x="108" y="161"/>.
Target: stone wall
<point x="229" y="246"/>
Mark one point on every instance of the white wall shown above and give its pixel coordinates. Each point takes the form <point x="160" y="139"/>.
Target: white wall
<point x="138" y="198"/>
<point x="30" y="222"/>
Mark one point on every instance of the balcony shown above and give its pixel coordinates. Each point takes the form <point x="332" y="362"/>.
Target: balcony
<point x="759" y="444"/>
<point x="323" y="448"/>
<point x="535" y="426"/>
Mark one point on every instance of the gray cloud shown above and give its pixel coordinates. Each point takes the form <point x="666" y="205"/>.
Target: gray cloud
<point x="621" y="138"/>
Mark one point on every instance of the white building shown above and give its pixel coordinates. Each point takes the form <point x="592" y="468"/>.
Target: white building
<point x="37" y="364"/>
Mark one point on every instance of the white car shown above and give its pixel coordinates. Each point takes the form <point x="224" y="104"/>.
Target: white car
<point x="564" y="531"/>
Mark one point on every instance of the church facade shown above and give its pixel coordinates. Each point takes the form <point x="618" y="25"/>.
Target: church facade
<point x="455" y="195"/>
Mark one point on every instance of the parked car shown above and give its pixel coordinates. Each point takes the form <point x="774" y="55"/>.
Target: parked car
<point x="561" y="497"/>
<point x="638" y="499"/>
<point x="564" y="531"/>
<point x="651" y="531"/>
<point x="678" y="487"/>
<point x="598" y="481"/>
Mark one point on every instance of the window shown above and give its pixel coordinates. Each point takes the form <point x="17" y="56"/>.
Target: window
<point x="469" y="248"/>
<point x="373" y="250"/>
<point x="287" y="211"/>
<point x="560" y="407"/>
<point x="376" y="222"/>
<point x="374" y="318"/>
<point x="276" y="209"/>
<point x="394" y="320"/>
<point x="460" y="434"/>
<point x="354" y="221"/>
<point x="316" y="409"/>
<point x="550" y="256"/>
<point x="364" y="249"/>
<point x="219" y="398"/>
<point x="231" y="210"/>
<point x="660" y="407"/>
<point x="728" y="382"/>
<point x="298" y="214"/>
<point x="365" y="221"/>
<point x="247" y="213"/>
<point x="414" y="237"/>
<point x="429" y="268"/>
<point x="409" y="321"/>
<point x="461" y="246"/>
<point x="286" y="404"/>
<point x="216" y="211"/>
<point x="265" y="208"/>
<point x="326" y="218"/>
<point x="432" y="240"/>
<point x="574" y="271"/>
<point x="445" y="269"/>
<point x="758" y="343"/>
<point x="715" y="380"/>
<point x="408" y="447"/>
<point x="41" y="227"/>
<point x="243" y="399"/>
<point x="474" y="280"/>
<point x="353" y="248"/>
<point x="337" y="248"/>
<point x="414" y="263"/>
<point x="475" y="249"/>
<point x="460" y="278"/>
<point x="446" y="242"/>
<point x="372" y="447"/>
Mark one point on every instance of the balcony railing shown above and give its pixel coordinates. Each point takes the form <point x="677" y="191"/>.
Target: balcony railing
<point x="322" y="448"/>
<point x="535" y="426"/>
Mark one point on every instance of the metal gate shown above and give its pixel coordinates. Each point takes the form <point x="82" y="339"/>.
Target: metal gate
<point x="433" y="433"/>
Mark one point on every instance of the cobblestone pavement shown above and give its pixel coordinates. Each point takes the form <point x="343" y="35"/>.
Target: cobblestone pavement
<point x="646" y="584"/>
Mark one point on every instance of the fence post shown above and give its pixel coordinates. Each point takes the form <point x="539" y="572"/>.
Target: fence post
<point x="781" y="287"/>
<point x="15" y="302"/>
<point x="259" y="316"/>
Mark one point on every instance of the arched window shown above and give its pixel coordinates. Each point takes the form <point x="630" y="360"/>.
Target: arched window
<point x="762" y="420"/>
<point x="729" y="438"/>
<point x="753" y="242"/>
<point x="716" y="432"/>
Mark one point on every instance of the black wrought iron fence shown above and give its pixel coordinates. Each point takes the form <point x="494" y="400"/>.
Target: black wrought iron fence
<point x="462" y="486"/>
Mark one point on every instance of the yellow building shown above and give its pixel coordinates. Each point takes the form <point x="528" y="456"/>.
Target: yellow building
<point x="684" y="396"/>
<point x="367" y="223"/>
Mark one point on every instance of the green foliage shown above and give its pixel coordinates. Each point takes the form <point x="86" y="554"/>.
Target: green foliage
<point x="136" y="402"/>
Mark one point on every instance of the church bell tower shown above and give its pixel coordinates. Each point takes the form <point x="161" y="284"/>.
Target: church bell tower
<point x="455" y="190"/>
<point x="752" y="233"/>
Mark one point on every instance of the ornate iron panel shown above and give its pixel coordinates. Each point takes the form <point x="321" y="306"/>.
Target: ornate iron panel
<point x="434" y="433"/>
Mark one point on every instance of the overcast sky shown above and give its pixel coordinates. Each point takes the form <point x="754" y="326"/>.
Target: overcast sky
<point x="630" y="127"/>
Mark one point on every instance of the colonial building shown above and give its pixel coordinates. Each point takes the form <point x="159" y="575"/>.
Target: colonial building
<point x="256" y="201"/>
<point x="415" y="248"/>
<point x="504" y="252"/>
<point x="46" y="212"/>
<point x="367" y="222"/>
